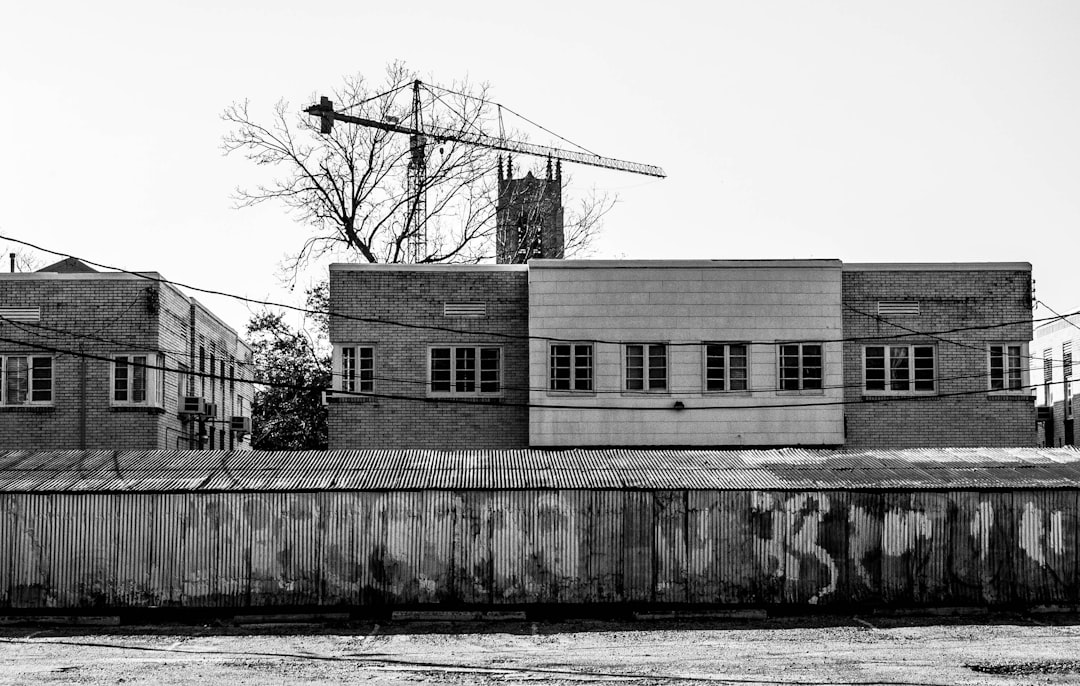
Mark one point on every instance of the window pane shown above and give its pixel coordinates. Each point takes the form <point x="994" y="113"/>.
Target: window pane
<point x="635" y="368"/>
<point x="440" y="370"/>
<point x="583" y="368"/>
<point x="138" y="379"/>
<point x="348" y="369"/>
<point x="789" y="367"/>
<point x="120" y="380"/>
<point x="41" y="382"/>
<point x="715" y="372"/>
<point x="489" y="370"/>
<point x="899" y="369"/>
<point x="657" y="367"/>
<point x="464" y="370"/>
<point x="811" y="361"/>
<point x="924" y="368"/>
<point x="366" y="366"/>
<point x="875" y="368"/>
<point x="15" y="380"/>
<point x="560" y="368"/>
<point x="737" y="368"/>
<point x="1016" y="379"/>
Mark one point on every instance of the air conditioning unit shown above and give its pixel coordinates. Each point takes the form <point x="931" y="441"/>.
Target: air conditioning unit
<point x="211" y="410"/>
<point x="240" y="425"/>
<point x="193" y="405"/>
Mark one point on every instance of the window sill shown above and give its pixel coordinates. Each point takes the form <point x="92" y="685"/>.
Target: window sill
<point x="571" y="394"/>
<point x="805" y="391"/>
<point x="145" y="409"/>
<point x="729" y="394"/>
<point x="472" y="399"/>
<point x="349" y="399"/>
<point x="27" y="408"/>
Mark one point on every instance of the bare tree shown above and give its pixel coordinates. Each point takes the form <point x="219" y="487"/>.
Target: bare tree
<point x="350" y="188"/>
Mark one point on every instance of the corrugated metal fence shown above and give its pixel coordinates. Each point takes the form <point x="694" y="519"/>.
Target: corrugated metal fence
<point x="241" y="549"/>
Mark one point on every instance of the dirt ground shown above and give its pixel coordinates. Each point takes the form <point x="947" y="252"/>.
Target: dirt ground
<point x="998" y="649"/>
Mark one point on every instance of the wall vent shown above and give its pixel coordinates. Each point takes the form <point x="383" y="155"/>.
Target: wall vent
<point x="464" y="309"/>
<point x="21" y="314"/>
<point x="898" y="307"/>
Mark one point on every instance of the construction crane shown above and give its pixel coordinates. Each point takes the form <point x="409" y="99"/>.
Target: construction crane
<point x="419" y="133"/>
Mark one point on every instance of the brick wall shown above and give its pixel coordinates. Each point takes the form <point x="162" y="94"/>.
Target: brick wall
<point x="401" y="414"/>
<point x="963" y="412"/>
<point x="88" y="319"/>
<point x="90" y="315"/>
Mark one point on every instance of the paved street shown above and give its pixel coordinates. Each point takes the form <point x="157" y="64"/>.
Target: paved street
<point x="1003" y="649"/>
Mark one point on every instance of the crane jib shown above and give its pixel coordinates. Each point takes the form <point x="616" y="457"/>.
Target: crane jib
<point x="485" y="141"/>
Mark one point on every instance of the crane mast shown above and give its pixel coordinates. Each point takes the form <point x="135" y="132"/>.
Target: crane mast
<point x="416" y="220"/>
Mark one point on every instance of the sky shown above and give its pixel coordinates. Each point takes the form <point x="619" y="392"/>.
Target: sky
<point x="863" y="130"/>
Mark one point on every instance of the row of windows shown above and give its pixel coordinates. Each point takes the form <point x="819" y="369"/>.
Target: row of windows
<point x="135" y="380"/>
<point x="887" y="369"/>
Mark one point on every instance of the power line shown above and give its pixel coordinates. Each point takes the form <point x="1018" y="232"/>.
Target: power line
<point x="503" y="334"/>
<point x="185" y="354"/>
<point x="875" y="399"/>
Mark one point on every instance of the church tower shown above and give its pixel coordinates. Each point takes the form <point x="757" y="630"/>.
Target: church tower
<point x="529" y="216"/>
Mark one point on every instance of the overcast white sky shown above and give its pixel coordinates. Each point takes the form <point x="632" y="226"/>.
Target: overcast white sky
<point x="861" y="130"/>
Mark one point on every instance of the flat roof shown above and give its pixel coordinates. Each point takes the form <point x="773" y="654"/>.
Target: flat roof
<point x="936" y="266"/>
<point x="683" y="264"/>
<point x="168" y="471"/>
<point x="351" y="267"/>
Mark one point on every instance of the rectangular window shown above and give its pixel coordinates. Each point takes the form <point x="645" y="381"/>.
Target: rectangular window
<point x="1007" y="366"/>
<point x="28" y="380"/>
<point x="726" y="367"/>
<point x="358" y="369"/>
<point x="899" y="369"/>
<point x="571" y="367"/>
<point x="1066" y="359"/>
<point x="801" y="366"/>
<point x="137" y="379"/>
<point x="465" y="370"/>
<point x="646" y="367"/>
<point x="1048" y="376"/>
<point x="1068" y="400"/>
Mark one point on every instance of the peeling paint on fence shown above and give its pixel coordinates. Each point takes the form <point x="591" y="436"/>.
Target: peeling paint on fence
<point x="68" y="550"/>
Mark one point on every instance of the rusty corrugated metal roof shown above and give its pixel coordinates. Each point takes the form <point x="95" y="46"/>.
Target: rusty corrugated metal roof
<point x="381" y="470"/>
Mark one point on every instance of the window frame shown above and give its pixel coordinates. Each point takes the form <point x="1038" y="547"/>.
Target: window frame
<point x="1023" y="364"/>
<point x="340" y="378"/>
<point x="727" y="367"/>
<point x="155" y="379"/>
<point x="911" y="377"/>
<point x="646" y="376"/>
<point x="29" y="402"/>
<point x="574" y="368"/>
<point x="802" y="366"/>
<point x="478" y="382"/>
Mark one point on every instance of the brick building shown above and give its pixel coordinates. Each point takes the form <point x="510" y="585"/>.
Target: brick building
<point x="1052" y="374"/>
<point x="103" y="360"/>
<point x="454" y="375"/>
<point x="681" y="353"/>
<point x="947" y="346"/>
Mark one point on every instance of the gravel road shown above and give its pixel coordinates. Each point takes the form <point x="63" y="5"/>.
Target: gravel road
<point x="1003" y="649"/>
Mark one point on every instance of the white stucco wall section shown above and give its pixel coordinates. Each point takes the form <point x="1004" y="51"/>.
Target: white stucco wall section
<point x="684" y="304"/>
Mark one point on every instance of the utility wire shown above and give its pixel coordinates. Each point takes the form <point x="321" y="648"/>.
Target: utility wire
<point x="503" y="334"/>
<point x="475" y="400"/>
<point x="183" y="355"/>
